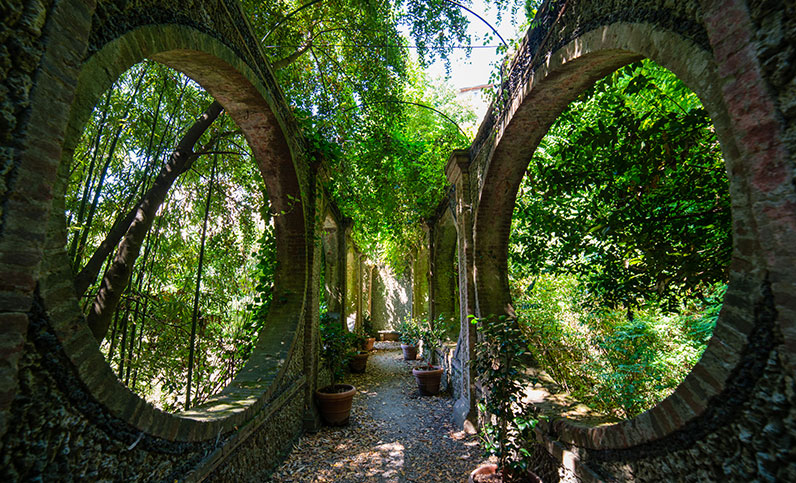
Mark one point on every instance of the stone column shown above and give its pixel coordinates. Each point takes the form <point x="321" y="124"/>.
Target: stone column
<point x="311" y="418"/>
<point x="431" y="273"/>
<point x="464" y="411"/>
<point x="442" y="277"/>
<point x="420" y="269"/>
<point x="360" y="289"/>
<point x="353" y="289"/>
<point x="342" y="262"/>
<point x="331" y="234"/>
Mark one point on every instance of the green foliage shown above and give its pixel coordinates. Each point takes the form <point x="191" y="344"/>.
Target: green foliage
<point x="507" y="421"/>
<point x="133" y="130"/>
<point x="336" y="346"/>
<point x="358" y="96"/>
<point x="410" y="331"/>
<point x="264" y="274"/>
<point x="615" y="365"/>
<point x="367" y="326"/>
<point x="620" y="240"/>
<point x="393" y="176"/>
<point x="627" y="192"/>
<point x="432" y="333"/>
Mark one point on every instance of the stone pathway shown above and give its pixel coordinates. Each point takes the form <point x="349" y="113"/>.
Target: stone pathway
<point x="395" y="434"/>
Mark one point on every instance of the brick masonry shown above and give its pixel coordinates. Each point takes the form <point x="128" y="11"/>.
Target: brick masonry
<point x="733" y="415"/>
<point x="63" y="414"/>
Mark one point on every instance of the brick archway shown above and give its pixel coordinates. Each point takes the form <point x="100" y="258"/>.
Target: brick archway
<point x="238" y="89"/>
<point x="83" y="53"/>
<point x="749" y="306"/>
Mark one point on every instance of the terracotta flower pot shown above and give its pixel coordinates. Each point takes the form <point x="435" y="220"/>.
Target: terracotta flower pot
<point x="334" y="403"/>
<point x="491" y="469"/>
<point x="487" y="469"/>
<point x="428" y="380"/>
<point x="410" y="352"/>
<point x="358" y="362"/>
<point x="368" y="344"/>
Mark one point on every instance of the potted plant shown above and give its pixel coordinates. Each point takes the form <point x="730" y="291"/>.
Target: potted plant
<point x="334" y="401"/>
<point x="370" y="334"/>
<point x="506" y="421"/>
<point x="357" y="358"/>
<point x="410" y="335"/>
<point x="428" y="375"/>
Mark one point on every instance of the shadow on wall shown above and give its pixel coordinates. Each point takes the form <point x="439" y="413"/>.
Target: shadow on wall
<point x="392" y="298"/>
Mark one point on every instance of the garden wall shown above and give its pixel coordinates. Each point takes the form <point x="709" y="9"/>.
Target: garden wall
<point x="63" y="414"/>
<point x="732" y="417"/>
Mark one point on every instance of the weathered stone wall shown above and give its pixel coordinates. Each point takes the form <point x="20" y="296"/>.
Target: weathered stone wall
<point x="443" y="287"/>
<point x="352" y="285"/>
<point x="732" y="418"/>
<point x="63" y="414"/>
<point x="21" y="48"/>
<point x="420" y="283"/>
<point x="392" y="298"/>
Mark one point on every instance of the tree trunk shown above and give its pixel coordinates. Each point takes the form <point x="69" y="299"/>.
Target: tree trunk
<point x="198" y="286"/>
<point x="88" y="274"/>
<point x="118" y="275"/>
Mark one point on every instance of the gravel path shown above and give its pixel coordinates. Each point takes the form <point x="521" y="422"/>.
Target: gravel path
<point x="395" y="434"/>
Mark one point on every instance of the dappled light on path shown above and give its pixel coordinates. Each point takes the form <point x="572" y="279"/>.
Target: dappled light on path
<point x="395" y="434"/>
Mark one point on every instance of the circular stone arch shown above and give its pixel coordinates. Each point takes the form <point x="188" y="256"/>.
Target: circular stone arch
<point x="537" y="102"/>
<point x="255" y="104"/>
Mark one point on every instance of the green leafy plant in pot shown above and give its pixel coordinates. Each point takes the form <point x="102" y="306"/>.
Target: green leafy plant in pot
<point x="370" y="333"/>
<point x="429" y="375"/>
<point x="410" y="336"/>
<point x="334" y="401"/>
<point x="357" y="356"/>
<point x="506" y="421"/>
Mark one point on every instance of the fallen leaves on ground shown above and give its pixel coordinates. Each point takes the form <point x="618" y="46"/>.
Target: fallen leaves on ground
<point x="395" y="435"/>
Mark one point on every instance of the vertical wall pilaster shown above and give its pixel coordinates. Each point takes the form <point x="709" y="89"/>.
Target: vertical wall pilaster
<point x="342" y="259"/>
<point x="420" y="269"/>
<point x="465" y="412"/>
<point x="431" y="307"/>
<point x="360" y="289"/>
<point x="311" y="417"/>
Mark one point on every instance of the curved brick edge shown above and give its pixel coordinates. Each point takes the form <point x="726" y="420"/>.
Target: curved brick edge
<point x="533" y="108"/>
<point x="758" y="124"/>
<point x="27" y="200"/>
<point x="245" y="97"/>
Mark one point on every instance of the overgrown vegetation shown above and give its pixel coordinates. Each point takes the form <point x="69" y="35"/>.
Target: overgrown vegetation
<point x="507" y="421"/>
<point x="130" y="136"/>
<point x="337" y="346"/>
<point x="179" y="309"/>
<point x="619" y="243"/>
<point x="620" y="240"/>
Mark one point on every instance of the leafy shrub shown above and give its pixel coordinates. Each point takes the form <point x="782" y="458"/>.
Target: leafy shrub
<point x="336" y="346"/>
<point x="506" y="421"/>
<point x="432" y="333"/>
<point x="612" y="363"/>
<point x="410" y="331"/>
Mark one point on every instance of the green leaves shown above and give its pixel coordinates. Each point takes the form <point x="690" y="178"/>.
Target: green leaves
<point x="336" y="346"/>
<point x="627" y="192"/>
<point x="506" y="420"/>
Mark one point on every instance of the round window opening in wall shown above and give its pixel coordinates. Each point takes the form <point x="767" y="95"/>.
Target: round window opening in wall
<point x="621" y="240"/>
<point x="200" y="283"/>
